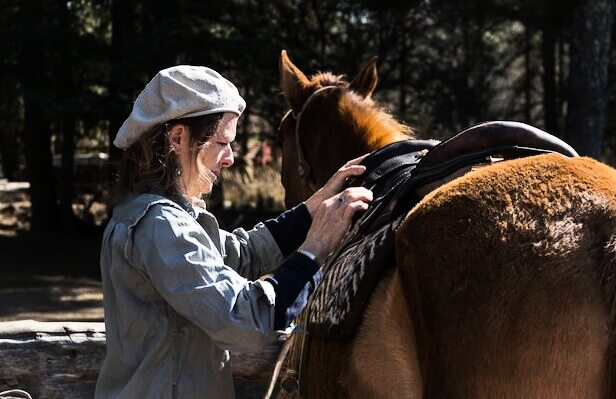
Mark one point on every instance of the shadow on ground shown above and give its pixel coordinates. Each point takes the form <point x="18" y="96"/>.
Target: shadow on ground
<point x="51" y="277"/>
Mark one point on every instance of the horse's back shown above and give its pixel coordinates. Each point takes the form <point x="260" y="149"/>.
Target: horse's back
<point x="510" y="273"/>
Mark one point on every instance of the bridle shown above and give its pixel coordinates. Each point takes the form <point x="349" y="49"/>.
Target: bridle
<point x="303" y="167"/>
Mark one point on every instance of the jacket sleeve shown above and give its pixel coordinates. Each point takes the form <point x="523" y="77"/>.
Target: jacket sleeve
<point x="261" y="250"/>
<point x="252" y="253"/>
<point x="187" y="270"/>
<point x="289" y="229"/>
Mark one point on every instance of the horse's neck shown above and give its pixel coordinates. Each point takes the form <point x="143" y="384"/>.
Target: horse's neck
<point x="374" y="143"/>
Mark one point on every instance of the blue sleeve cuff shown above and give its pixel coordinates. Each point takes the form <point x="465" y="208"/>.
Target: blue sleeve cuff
<point x="290" y="228"/>
<point x="293" y="283"/>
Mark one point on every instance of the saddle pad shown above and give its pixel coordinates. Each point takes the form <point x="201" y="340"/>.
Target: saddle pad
<point x="349" y="279"/>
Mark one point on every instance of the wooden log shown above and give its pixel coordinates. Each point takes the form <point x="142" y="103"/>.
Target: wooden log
<point x="62" y="360"/>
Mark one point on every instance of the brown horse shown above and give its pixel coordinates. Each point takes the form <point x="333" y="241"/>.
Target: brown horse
<point x="505" y="280"/>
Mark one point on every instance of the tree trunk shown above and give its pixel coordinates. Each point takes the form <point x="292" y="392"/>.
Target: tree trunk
<point x="528" y="75"/>
<point x="562" y="81"/>
<point x="550" y="112"/>
<point x="8" y="150"/>
<point x="590" y="47"/>
<point x="67" y="173"/>
<point x="39" y="165"/>
<point x="37" y="133"/>
<point x="403" y="66"/>
<point x="69" y="132"/>
<point x="122" y="15"/>
<point x="320" y="26"/>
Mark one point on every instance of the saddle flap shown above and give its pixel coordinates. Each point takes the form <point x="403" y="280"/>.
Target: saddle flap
<point x="390" y="158"/>
<point x="350" y="276"/>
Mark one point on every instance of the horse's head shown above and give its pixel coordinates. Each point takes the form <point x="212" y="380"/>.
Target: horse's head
<point x="330" y="121"/>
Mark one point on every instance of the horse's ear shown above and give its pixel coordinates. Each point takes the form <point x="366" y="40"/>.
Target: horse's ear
<point x="293" y="82"/>
<point x="365" y="81"/>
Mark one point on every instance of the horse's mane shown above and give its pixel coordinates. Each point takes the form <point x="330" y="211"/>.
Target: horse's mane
<point x="369" y="122"/>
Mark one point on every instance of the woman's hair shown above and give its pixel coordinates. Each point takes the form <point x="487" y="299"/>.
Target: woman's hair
<point x="149" y="165"/>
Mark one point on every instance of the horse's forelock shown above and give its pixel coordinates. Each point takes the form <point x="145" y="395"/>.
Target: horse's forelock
<point x="328" y="79"/>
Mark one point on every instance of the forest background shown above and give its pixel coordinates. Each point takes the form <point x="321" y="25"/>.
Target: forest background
<point x="70" y="71"/>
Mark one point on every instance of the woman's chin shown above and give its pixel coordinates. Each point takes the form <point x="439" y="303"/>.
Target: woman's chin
<point x="206" y="189"/>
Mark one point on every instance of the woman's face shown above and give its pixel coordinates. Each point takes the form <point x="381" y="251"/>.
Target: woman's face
<point x="216" y="154"/>
<point x="201" y="171"/>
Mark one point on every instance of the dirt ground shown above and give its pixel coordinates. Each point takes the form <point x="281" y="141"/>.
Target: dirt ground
<point x="51" y="277"/>
<point x="50" y="298"/>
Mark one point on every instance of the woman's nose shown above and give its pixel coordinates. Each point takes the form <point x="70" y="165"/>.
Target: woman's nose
<point x="227" y="158"/>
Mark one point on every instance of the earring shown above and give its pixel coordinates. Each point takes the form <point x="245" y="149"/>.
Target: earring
<point x="178" y="171"/>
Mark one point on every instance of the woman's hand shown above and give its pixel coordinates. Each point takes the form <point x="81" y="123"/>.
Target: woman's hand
<point x="332" y="218"/>
<point x="335" y="183"/>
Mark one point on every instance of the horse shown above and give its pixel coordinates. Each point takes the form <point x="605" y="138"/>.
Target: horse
<point x="504" y="283"/>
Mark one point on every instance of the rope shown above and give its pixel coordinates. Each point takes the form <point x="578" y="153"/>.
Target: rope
<point x="13" y="392"/>
<point x="281" y="358"/>
<point x="294" y="345"/>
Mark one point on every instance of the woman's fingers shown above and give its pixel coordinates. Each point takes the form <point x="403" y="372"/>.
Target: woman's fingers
<point x="351" y="209"/>
<point x="339" y="179"/>
<point x="332" y="219"/>
<point x="348" y="171"/>
<point x="352" y="167"/>
<point x="349" y="202"/>
<point x="336" y="183"/>
<point x="357" y="160"/>
<point x="353" y="194"/>
<point x="353" y="200"/>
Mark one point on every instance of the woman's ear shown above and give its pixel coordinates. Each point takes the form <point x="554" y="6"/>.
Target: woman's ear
<point x="175" y="136"/>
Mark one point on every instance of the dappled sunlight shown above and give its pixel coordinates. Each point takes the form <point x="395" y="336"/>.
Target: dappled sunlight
<point x="257" y="187"/>
<point x="50" y="298"/>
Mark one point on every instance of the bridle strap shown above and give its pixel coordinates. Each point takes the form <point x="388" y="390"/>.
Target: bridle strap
<point x="303" y="167"/>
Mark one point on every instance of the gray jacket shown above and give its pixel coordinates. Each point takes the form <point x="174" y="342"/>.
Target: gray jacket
<point x="176" y="302"/>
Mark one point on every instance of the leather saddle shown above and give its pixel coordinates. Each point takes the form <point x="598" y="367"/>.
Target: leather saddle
<point x="399" y="176"/>
<point x="401" y="173"/>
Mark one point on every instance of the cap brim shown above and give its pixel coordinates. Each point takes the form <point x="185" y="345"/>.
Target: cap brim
<point x="209" y="112"/>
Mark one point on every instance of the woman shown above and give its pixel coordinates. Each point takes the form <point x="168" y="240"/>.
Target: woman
<point x="179" y="293"/>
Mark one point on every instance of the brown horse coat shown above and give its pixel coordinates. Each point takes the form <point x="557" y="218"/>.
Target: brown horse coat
<point x="505" y="285"/>
<point x="510" y="271"/>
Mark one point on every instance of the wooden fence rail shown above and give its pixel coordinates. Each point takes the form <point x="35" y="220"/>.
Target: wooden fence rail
<point x="61" y="360"/>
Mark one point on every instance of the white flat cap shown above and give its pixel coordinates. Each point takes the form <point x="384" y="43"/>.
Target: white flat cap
<point x="178" y="92"/>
